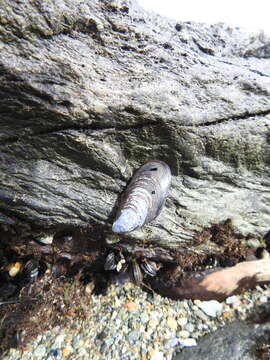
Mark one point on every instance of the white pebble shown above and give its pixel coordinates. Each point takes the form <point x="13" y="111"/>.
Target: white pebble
<point x="158" y="355"/>
<point x="183" y="334"/>
<point x="182" y="321"/>
<point x="263" y="299"/>
<point x="189" y="327"/>
<point x="211" y="308"/>
<point x="231" y="300"/>
<point x="188" y="342"/>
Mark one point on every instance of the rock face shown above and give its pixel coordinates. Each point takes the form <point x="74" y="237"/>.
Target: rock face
<point x="235" y="341"/>
<point x="90" y="90"/>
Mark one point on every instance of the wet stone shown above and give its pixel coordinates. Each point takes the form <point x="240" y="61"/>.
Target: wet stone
<point x="133" y="336"/>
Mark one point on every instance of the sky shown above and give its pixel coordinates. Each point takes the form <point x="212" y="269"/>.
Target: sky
<point x="248" y="14"/>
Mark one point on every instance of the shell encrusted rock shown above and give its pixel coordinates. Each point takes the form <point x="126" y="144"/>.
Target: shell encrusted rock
<point x="144" y="196"/>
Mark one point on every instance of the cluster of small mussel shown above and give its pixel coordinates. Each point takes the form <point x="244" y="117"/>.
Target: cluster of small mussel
<point x="128" y="267"/>
<point x="17" y="274"/>
<point x="141" y="203"/>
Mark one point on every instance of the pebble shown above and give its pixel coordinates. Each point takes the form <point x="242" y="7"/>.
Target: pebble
<point x="133" y="336"/>
<point x="67" y="351"/>
<point x="211" y="308"/>
<point x="189" y="327"/>
<point x="110" y="329"/>
<point x="172" y="323"/>
<point x="40" y="351"/>
<point x="171" y="343"/>
<point x="188" y="342"/>
<point x="58" y="340"/>
<point x="144" y="318"/>
<point x="201" y="315"/>
<point x="131" y="306"/>
<point x="183" y="334"/>
<point x="157" y="355"/>
<point x="182" y="321"/>
<point x="89" y="288"/>
<point x="231" y="300"/>
<point x="55" y="353"/>
<point x="263" y="299"/>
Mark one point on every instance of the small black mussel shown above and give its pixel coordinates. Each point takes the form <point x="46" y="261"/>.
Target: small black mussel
<point x="60" y="267"/>
<point x="110" y="262"/>
<point x="149" y="267"/>
<point x="31" y="269"/>
<point x="136" y="272"/>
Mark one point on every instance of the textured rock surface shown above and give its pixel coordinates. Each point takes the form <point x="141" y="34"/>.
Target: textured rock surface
<point x="91" y="90"/>
<point x="236" y="341"/>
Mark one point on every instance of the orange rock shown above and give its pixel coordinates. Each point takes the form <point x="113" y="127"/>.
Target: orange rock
<point x="131" y="306"/>
<point x="227" y="314"/>
<point x="67" y="351"/>
<point x="71" y="313"/>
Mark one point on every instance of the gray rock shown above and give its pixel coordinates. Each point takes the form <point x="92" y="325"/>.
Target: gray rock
<point x="234" y="341"/>
<point x="133" y="336"/>
<point x="201" y="315"/>
<point x="144" y="318"/>
<point x="90" y="92"/>
<point x="171" y="343"/>
<point x="189" y="327"/>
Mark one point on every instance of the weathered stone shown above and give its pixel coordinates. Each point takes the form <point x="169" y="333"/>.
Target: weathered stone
<point x="235" y="341"/>
<point x="91" y="90"/>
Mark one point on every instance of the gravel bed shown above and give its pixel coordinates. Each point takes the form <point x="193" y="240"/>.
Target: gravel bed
<point x="129" y="323"/>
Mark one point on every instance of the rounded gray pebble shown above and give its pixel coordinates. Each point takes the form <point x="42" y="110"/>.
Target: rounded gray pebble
<point x="189" y="327"/>
<point x="144" y="318"/>
<point x="171" y="343"/>
<point x="133" y="336"/>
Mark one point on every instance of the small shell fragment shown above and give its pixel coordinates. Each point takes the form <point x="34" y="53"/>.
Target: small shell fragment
<point x="120" y="264"/>
<point x="45" y="240"/>
<point x="14" y="269"/>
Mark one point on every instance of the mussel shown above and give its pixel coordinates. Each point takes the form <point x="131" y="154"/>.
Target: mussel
<point x="149" y="267"/>
<point x="31" y="268"/>
<point x="136" y="273"/>
<point x="110" y="262"/>
<point x="144" y="196"/>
